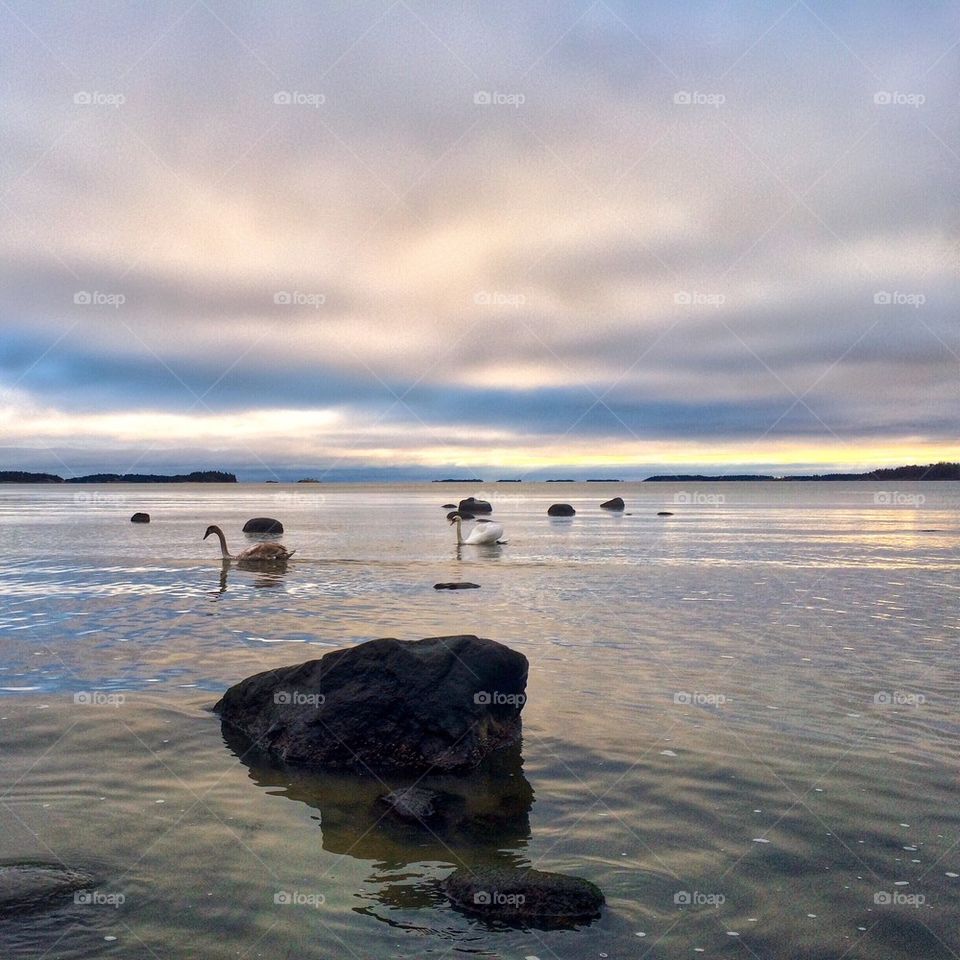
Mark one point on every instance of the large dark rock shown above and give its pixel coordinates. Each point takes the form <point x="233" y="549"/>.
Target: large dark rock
<point x="561" y="510"/>
<point x="615" y="504"/>
<point x="263" y="525"/>
<point x="140" y="518"/>
<point x="522" y="895"/>
<point x="443" y="703"/>
<point x="472" y="505"/>
<point x="36" y="885"/>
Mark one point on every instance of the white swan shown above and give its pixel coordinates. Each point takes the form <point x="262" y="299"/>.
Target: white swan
<point x="484" y="532"/>
<point x="261" y="553"/>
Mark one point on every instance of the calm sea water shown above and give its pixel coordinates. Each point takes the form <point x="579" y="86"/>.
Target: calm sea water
<point x="742" y="719"/>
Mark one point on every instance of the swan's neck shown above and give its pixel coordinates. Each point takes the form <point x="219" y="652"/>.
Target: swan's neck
<point x="223" y="545"/>
<point x="459" y="534"/>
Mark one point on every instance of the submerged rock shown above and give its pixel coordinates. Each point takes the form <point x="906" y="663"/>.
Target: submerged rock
<point x="561" y="510"/>
<point x="140" y="518"/>
<point x="472" y="505"/>
<point x="36" y="885"/>
<point x="664" y="513"/>
<point x="615" y="504"/>
<point x="449" y="506"/>
<point x="457" y="585"/>
<point x="263" y="525"/>
<point x="442" y="703"/>
<point x="412" y="803"/>
<point x="522" y="895"/>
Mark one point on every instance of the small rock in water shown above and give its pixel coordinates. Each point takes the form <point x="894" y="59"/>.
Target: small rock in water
<point x="524" y="895"/>
<point x="664" y="513"/>
<point x="449" y="506"/>
<point x="457" y="585"/>
<point x="560" y="510"/>
<point x="140" y="518"/>
<point x="411" y="803"/>
<point x="615" y="504"/>
<point x="263" y="525"/>
<point x="35" y="885"/>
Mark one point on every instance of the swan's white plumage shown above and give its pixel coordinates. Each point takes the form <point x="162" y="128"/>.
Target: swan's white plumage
<point x="485" y="532"/>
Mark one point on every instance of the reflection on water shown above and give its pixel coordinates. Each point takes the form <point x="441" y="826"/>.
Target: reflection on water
<point x="481" y="818"/>
<point x="266" y="576"/>
<point x="754" y="698"/>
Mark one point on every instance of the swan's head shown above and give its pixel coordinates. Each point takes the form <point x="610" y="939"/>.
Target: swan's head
<point x="211" y="530"/>
<point x="454" y="515"/>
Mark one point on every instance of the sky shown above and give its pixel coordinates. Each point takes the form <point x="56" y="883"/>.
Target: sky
<point x="411" y="239"/>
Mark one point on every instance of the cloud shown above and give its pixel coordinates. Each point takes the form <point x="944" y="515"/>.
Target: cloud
<point x="498" y="217"/>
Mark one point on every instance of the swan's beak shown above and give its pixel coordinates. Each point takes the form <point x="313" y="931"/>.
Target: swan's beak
<point x="207" y="534"/>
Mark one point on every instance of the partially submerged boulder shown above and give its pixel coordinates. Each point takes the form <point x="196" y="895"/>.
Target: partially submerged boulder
<point x="457" y="585"/>
<point x="411" y="803"/>
<point x="438" y="704"/>
<point x="36" y="885"/>
<point x="263" y="525"/>
<point x="140" y="518"/>
<point x="614" y="504"/>
<point x="561" y="510"/>
<point x="472" y="505"/>
<point x="522" y="895"/>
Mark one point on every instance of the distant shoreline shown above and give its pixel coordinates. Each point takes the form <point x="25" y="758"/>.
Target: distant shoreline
<point x="929" y="472"/>
<point x="198" y="476"/>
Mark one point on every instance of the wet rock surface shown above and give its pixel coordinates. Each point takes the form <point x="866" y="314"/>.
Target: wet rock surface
<point x="522" y="895"/>
<point x="442" y="703"/>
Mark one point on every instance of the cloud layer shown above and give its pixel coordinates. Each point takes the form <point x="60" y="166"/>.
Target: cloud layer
<point x="414" y="236"/>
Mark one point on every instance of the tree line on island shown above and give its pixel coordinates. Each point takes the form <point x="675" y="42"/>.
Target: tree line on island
<point x="198" y="476"/>
<point x="932" y="471"/>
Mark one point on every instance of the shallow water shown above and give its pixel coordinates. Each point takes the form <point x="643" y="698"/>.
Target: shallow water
<point x="742" y="719"/>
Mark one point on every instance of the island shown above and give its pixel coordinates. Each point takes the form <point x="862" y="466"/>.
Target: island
<point x="198" y="476"/>
<point x="930" y="471"/>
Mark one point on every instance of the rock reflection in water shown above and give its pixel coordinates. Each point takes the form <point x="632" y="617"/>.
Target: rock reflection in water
<point x="481" y="818"/>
